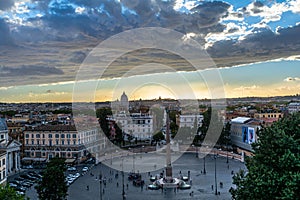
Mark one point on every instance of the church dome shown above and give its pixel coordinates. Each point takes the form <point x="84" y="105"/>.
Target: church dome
<point x="124" y="97"/>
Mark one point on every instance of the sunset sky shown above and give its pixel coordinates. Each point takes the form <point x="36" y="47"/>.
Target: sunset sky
<point x="255" y="46"/>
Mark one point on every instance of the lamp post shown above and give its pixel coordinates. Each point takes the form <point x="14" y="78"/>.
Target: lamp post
<point x="133" y="164"/>
<point x="216" y="190"/>
<point x="204" y="171"/>
<point x="227" y="149"/>
<point x="123" y="186"/>
<point x="100" y="181"/>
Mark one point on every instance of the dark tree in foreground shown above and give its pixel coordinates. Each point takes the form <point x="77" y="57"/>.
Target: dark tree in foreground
<point x="53" y="185"/>
<point x="8" y="193"/>
<point x="274" y="171"/>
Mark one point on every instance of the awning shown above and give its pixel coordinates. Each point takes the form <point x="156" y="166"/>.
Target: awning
<point x="70" y="160"/>
<point x="34" y="159"/>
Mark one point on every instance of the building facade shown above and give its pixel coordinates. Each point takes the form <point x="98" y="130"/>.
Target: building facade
<point x="243" y="132"/>
<point x="189" y="120"/>
<point x="138" y="125"/>
<point x="45" y="142"/>
<point x="294" y="107"/>
<point x="2" y="167"/>
<point x="12" y="149"/>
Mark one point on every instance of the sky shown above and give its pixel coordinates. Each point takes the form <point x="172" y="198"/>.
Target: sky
<point x="251" y="47"/>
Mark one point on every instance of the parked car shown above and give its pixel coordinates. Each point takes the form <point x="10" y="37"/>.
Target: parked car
<point x="85" y="169"/>
<point x="71" y="169"/>
<point x="19" y="179"/>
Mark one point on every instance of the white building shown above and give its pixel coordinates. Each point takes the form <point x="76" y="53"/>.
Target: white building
<point x="243" y="132"/>
<point x="12" y="149"/>
<point x="294" y="107"/>
<point x="139" y="125"/>
<point x="45" y="142"/>
<point x="188" y="120"/>
<point x="3" y="176"/>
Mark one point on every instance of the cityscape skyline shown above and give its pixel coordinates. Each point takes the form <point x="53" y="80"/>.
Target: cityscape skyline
<point x="254" y="46"/>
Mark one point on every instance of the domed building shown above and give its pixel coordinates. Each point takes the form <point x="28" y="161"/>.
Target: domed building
<point x="124" y="103"/>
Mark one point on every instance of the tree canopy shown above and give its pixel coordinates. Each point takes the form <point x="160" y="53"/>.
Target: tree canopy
<point x="274" y="170"/>
<point x="53" y="185"/>
<point x="8" y="193"/>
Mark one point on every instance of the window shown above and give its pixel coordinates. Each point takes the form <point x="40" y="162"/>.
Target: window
<point x="43" y="142"/>
<point x="74" y="135"/>
<point x="56" y="135"/>
<point x="62" y="135"/>
<point x="74" y="142"/>
<point x="50" y="135"/>
<point x="27" y="141"/>
<point x="57" y="142"/>
<point x="68" y="136"/>
<point x="68" y="142"/>
<point x="32" y="135"/>
<point x="32" y="141"/>
<point x="38" y="135"/>
<point x="63" y="142"/>
<point x="43" y="135"/>
<point x="27" y="136"/>
<point x="50" y="142"/>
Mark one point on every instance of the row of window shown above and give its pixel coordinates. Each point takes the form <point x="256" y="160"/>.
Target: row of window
<point x="137" y="130"/>
<point x="51" y="142"/>
<point x="50" y="135"/>
<point x="2" y="162"/>
<point x="43" y="154"/>
<point x="2" y="175"/>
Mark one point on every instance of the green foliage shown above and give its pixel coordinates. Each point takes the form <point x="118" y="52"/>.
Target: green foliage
<point x="158" y="136"/>
<point x="53" y="185"/>
<point x="8" y="193"/>
<point x="102" y="114"/>
<point x="224" y="138"/>
<point x="274" y="171"/>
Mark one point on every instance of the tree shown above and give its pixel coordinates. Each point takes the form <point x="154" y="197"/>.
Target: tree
<point x="205" y="123"/>
<point x="8" y="193"/>
<point x="274" y="170"/>
<point x="224" y="138"/>
<point x="53" y="185"/>
<point x="102" y="114"/>
<point x="158" y="136"/>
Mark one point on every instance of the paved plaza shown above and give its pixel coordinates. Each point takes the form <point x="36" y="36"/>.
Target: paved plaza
<point x="201" y="183"/>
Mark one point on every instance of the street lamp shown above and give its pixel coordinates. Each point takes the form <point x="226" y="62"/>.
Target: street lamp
<point x="227" y="137"/>
<point x="204" y="171"/>
<point x="216" y="190"/>
<point x="123" y="186"/>
<point x="133" y="164"/>
<point x="100" y="181"/>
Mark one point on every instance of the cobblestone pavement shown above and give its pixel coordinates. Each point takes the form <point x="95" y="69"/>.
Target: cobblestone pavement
<point x="201" y="183"/>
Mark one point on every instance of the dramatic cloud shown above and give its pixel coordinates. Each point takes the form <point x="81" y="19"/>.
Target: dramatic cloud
<point x="5" y="37"/>
<point x="27" y="70"/>
<point x="261" y="42"/>
<point x="59" y="32"/>
<point x="6" y="4"/>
